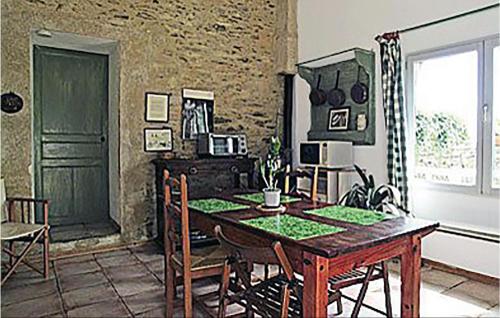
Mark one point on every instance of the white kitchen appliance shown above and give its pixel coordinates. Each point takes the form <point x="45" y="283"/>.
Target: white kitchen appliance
<point x="328" y="154"/>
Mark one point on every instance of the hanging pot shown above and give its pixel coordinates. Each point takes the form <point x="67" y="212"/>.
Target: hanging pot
<point x="359" y="91"/>
<point x="317" y="95"/>
<point x="336" y="96"/>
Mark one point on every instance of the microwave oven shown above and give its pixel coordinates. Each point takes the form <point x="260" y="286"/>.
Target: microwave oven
<point x="222" y="145"/>
<point x="329" y="154"/>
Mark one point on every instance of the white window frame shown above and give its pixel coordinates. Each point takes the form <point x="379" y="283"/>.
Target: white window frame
<point x="483" y="47"/>
<point x="489" y="45"/>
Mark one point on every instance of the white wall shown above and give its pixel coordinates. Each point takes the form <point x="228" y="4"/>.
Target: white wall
<point x="326" y="26"/>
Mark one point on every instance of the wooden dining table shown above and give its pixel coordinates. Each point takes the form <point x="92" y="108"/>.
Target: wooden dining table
<point x="320" y="257"/>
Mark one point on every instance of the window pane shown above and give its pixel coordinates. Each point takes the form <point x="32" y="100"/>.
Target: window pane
<point x="445" y="100"/>
<point x="496" y="117"/>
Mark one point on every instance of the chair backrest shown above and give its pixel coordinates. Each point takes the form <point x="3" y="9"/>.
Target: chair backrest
<point x="176" y="212"/>
<point x="238" y="253"/>
<point x="302" y="173"/>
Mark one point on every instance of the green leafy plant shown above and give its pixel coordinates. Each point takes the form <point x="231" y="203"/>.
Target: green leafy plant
<point x="271" y="166"/>
<point x="384" y="198"/>
<point x="439" y="137"/>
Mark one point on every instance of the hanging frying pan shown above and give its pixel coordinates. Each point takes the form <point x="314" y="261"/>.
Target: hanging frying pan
<point x="359" y="91"/>
<point x="336" y="96"/>
<point x="317" y="95"/>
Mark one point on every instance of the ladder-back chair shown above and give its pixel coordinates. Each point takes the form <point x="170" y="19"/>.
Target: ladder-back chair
<point x="278" y="296"/>
<point x="312" y="174"/>
<point x="20" y="225"/>
<point x="191" y="264"/>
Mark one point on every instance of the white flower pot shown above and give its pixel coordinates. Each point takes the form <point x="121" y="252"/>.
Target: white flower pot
<point x="272" y="197"/>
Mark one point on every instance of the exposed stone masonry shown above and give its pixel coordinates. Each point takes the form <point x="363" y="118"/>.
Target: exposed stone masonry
<point x="234" y="47"/>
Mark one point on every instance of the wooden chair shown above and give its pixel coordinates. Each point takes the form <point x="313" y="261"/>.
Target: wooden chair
<point x="191" y="264"/>
<point x="19" y="225"/>
<point x="301" y="173"/>
<point x="364" y="277"/>
<point x="290" y="182"/>
<point x="278" y="296"/>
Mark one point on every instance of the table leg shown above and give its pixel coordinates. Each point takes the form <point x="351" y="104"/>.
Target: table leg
<point x="410" y="279"/>
<point x="315" y="294"/>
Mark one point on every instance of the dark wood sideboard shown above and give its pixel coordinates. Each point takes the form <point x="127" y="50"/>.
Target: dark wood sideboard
<point x="205" y="177"/>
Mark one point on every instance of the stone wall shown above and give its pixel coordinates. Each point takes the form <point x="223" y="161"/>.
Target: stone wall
<point x="234" y="47"/>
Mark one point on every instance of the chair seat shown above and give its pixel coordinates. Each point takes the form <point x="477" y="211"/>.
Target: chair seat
<point x="14" y="230"/>
<point x="202" y="258"/>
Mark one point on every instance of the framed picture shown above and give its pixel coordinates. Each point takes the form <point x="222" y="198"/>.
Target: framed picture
<point x="197" y="113"/>
<point x="157" y="107"/>
<point x="158" y="139"/>
<point x="338" y="119"/>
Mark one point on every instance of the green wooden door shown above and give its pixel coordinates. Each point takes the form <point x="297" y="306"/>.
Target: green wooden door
<point x="70" y="134"/>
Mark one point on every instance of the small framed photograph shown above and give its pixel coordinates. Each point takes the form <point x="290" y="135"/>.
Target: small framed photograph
<point x="158" y="139"/>
<point x="338" y="119"/>
<point x="157" y="107"/>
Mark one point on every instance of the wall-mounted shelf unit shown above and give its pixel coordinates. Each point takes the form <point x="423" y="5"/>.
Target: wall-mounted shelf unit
<point x="352" y="66"/>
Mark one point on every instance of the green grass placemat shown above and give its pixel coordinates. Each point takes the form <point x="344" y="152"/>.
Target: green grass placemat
<point x="351" y="215"/>
<point x="215" y="205"/>
<point x="259" y="198"/>
<point x="292" y="227"/>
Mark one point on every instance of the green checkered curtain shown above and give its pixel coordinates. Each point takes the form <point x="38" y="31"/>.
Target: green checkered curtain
<point x="394" y="111"/>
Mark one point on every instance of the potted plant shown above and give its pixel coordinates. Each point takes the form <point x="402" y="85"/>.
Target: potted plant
<point x="384" y="198"/>
<point x="269" y="169"/>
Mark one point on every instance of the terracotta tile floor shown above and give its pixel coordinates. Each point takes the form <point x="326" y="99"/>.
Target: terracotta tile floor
<point x="128" y="283"/>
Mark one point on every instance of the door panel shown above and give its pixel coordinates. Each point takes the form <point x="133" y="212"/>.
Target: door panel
<point x="60" y="197"/>
<point x="73" y="150"/>
<point x="88" y="201"/>
<point x="70" y="120"/>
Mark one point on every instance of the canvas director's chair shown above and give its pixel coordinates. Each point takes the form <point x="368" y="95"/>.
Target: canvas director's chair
<point x="23" y="220"/>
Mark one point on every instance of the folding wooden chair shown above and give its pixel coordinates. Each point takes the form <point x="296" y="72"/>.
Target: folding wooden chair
<point x="278" y="296"/>
<point x="19" y="225"/>
<point x="363" y="277"/>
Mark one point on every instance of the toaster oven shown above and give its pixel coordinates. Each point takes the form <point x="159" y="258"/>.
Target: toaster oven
<point x="222" y="145"/>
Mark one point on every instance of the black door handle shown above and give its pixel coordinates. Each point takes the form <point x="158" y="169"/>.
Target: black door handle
<point x="103" y="139"/>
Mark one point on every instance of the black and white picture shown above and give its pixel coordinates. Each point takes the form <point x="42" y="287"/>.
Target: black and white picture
<point x="338" y="119"/>
<point x="158" y="139"/>
<point x="157" y="107"/>
<point x="197" y="113"/>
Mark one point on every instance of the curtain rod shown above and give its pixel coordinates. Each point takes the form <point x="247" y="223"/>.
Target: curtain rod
<point x="453" y="17"/>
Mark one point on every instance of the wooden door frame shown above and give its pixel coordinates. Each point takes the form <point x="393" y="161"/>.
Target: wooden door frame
<point x="70" y="41"/>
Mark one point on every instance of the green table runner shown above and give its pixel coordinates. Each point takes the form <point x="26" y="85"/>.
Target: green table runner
<point x="215" y="205"/>
<point x="351" y="215"/>
<point x="292" y="227"/>
<point x="259" y="198"/>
